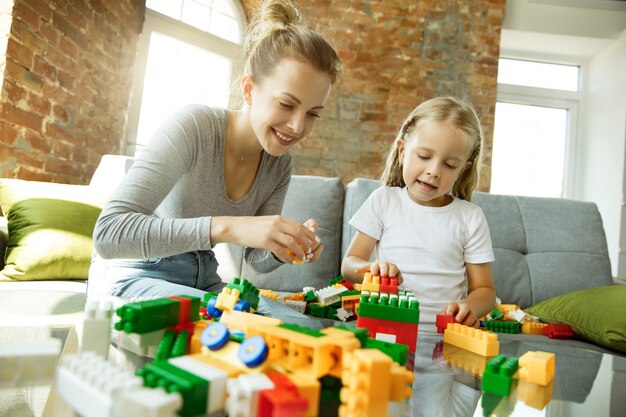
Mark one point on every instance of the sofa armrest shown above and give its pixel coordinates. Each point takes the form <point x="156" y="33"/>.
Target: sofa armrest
<point x="4" y="238"/>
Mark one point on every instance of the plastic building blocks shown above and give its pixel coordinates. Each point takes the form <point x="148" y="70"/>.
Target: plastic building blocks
<point x="389" y="285"/>
<point x="243" y="321"/>
<point x="537" y="367"/>
<point x="243" y="394"/>
<point x="147" y="316"/>
<point x="272" y="295"/>
<point x="390" y="314"/>
<point x="330" y="295"/>
<point x="558" y="331"/>
<point x="28" y="363"/>
<point x="498" y="375"/>
<point x="464" y="359"/>
<point x="244" y="364"/>
<point x="496" y="314"/>
<point x="533" y="328"/>
<point x="247" y="291"/>
<point x="442" y="321"/>
<point x="474" y="340"/>
<point x="216" y="380"/>
<point x="299" y="306"/>
<point x="94" y="387"/>
<point x="193" y="388"/>
<point x="96" y="330"/>
<point x="370" y="283"/>
<point x="372" y="379"/>
<point x="503" y="326"/>
<point x="535" y="395"/>
<point x="146" y="402"/>
<point x="281" y="401"/>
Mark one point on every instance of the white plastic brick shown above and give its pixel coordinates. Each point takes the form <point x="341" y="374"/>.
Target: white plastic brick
<point x="150" y="402"/>
<point x="28" y="363"/>
<point x="216" y="377"/>
<point x="97" y="327"/>
<point x="243" y="394"/>
<point x="93" y="386"/>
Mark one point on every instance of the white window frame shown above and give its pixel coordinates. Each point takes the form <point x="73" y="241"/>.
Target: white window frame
<point x="160" y="23"/>
<point x="561" y="99"/>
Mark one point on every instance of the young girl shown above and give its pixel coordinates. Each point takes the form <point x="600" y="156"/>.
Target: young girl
<point x="425" y="230"/>
<point x="211" y="175"/>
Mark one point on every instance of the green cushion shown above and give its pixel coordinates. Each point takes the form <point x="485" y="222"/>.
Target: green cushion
<point x="50" y="227"/>
<point x="595" y="314"/>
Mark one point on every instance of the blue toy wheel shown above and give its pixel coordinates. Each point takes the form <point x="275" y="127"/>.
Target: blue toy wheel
<point x="242" y="306"/>
<point x="215" y="336"/>
<point x="253" y="351"/>
<point x="211" y="309"/>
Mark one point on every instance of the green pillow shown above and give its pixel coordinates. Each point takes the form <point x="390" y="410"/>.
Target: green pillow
<point x="595" y="314"/>
<point x="50" y="227"/>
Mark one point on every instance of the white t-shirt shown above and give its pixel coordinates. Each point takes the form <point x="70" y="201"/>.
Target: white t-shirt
<point x="430" y="245"/>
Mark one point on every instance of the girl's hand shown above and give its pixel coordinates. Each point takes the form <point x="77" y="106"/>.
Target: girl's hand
<point x="274" y="233"/>
<point x="462" y="313"/>
<point x="383" y="270"/>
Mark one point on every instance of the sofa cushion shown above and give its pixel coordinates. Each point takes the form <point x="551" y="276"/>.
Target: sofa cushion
<point x="50" y="227"/>
<point x="544" y="246"/>
<point x="308" y="197"/>
<point x="357" y="192"/>
<point x="595" y="314"/>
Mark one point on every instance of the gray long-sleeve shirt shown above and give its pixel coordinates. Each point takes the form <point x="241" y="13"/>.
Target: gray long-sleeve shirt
<point x="164" y="204"/>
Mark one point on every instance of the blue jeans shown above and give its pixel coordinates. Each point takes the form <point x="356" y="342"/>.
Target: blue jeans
<point x="190" y="273"/>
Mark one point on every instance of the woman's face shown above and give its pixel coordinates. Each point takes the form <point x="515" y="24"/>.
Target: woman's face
<point x="285" y="105"/>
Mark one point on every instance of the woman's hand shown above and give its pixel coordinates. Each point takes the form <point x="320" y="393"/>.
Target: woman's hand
<point x="274" y="233"/>
<point x="383" y="270"/>
<point x="462" y="313"/>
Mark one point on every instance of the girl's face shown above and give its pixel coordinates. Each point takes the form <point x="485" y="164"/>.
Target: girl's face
<point x="433" y="156"/>
<point x="285" y="105"/>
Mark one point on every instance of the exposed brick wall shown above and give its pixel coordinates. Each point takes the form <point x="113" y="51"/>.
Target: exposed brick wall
<point x="65" y="86"/>
<point x="397" y="53"/>
<point x="69" y="69"/>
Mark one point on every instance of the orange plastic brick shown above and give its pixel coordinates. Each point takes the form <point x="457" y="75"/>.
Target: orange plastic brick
<point x="474" y="340"/>
<point x="537" y="367"/>
<point x="533" y="328"/>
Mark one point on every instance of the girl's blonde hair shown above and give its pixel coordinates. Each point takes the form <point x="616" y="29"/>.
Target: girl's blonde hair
<point x="459" y="115"/>
<point x="277" y="32"/>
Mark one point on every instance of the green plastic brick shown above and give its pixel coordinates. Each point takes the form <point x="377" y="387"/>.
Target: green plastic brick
<point x="496" y="314"/>
<point x="247" y="291"/>
<point x="503" y="326"/>
<point x="301" y="329"/>
<point x="361" y="334"/>
<point x="310" y="297"/>
<point x="498" y="375"/>
<point x="164" y="349"/>
<point x="387" y="308"/>
<point x="148" y="316"/>
<point x="396" y="351"/>
<point x="192" y="388"/>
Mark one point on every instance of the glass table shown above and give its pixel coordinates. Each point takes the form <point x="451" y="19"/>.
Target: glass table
<point x="447" y="379"/>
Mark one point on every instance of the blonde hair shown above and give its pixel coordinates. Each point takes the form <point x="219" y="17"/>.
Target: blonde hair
<point x="459" y="115"/>
<point x="277" y="32"/>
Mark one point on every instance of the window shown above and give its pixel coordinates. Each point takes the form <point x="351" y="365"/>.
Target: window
<point x="534" y="132"/>
<point x="187" y="53"/>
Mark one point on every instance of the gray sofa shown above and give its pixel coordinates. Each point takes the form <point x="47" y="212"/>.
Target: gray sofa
<point x="543" y="247"/>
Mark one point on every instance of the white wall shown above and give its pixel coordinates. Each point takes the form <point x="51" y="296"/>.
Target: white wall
<point x="604" y="137"/>
<point x="592" y="34"/>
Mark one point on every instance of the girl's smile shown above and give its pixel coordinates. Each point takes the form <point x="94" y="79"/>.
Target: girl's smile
<point x="433" y="156"/>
